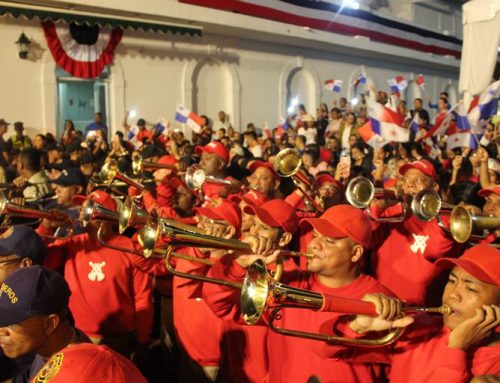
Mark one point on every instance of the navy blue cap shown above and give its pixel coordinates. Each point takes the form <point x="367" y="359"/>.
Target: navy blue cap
<point x="74" y="146"/>
<point x="24" y="242"/>
<point x="149" y="151"/>
<point x="70" y="176"/>
<point x="87" y="158"/>
<point x="31" y="291"/>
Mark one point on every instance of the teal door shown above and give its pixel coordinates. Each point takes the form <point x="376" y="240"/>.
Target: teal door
<point x="79" y="100"/>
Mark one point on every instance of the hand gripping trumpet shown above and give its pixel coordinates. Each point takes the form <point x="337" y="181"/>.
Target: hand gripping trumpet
<point x="110" y="172"/>
<point x="260" y="292"/>
<point x="139" y="165"/>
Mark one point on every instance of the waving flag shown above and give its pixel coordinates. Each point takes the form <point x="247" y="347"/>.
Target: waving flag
<point x="397" y="84"/>
<point x="420" y="81"/>
<point x="441" y="124"/>
<point x="458" y="139"/>
<point x="487" y="104"/>
<point x="376" y="141"/>
<point x="334" y="85"/>
<point x="361" y="79"/>
<point x="461" y="118"/>
<point x="387" y="123"/>
<point x="415" y="123"/>
<point x="185" y="116"/>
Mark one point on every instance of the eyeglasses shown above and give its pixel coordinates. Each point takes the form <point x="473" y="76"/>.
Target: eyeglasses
<point x="7" y="261"/>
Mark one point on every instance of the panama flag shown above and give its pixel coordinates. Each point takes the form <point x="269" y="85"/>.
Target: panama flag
<point x="185" y="116"/>
<point x="376" y="141"/>
<point x="420" y="81"/>
<point x="415" y="123"/>
<point x="334" y="85"/>
<point x="387" y="123"/>
<point x="461" y="118"/>
<point x="487" y="104"/>
<point x="361" y="79"/>
<point x="397" y="84"/>
<point x="459" y="139"/>
<point x="442" y="123"/>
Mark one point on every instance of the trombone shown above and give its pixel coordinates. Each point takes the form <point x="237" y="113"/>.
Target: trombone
<point x="260" y="292"/>
<point x="195" y="178"/>
<point x="139" y="165"/>
<point x="110" y="172"/>
<point x="287" y="163"/>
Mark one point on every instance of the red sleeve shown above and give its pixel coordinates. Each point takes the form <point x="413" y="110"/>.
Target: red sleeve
<point x="224" y="301"/>
<point x="294" y="199"/>
<point x="57" y="253"/>
<point x="143" y="305"/>
<point x="454" y="368"/>
<point x="149" y="201"/>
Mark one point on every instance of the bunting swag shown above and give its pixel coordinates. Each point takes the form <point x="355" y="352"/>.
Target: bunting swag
<point x="81" y="50"/>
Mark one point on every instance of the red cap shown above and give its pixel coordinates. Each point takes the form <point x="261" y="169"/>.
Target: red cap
<point x="261" y="164"/>
<point x="275" y="213"/>
<point x="87" y="362"/>
<point x="214" y="147"/>
<point x="423" y="165"/>
<point x="167" y="160"/>
<point x="486" y="192"/>
<point x="253" y="197"/>
<point x="342" y="221"/>
<point x="101" y="197"/>
<point x="481" y="261"/>
<point x="225" y="210"/>
<point x="325" y="154"/>
<point x="327" y="178"/>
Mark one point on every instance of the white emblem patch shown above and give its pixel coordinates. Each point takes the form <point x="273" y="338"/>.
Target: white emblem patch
<point x="420" y="243"/>
<point x="96" y="274"/>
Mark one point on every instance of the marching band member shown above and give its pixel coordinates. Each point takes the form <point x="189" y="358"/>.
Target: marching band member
<point x="111" y="300"/>
<point x="342" y="234"/>
<point x="453" y="349"/>
<point x="404" y="253"/>
<point x="263" y="178"/>
<point x="274" y="224"/>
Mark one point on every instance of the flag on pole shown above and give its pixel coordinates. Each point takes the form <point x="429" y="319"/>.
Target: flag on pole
<point x="458" y="139"/>
<point x="334" y="85"/>
<point x="441" y="124"/>
<point x="397" y="84"/>
<point x="461" y="117"/>
<point x="361" y="79"/>
<point x="415" y="123"/>
<point x="487" y="104"/>
<point x="185" y="116"/>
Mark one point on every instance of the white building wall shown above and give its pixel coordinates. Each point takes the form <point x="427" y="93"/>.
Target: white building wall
<point x="248" y="78"/>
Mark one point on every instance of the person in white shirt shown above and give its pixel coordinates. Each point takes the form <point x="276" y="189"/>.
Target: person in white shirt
<point x="308" y="130"/>
<point x="252" y="144"/>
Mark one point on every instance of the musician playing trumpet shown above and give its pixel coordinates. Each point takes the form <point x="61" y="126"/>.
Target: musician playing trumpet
<point x="450" y="349"/>
<point x="341" y="236"/>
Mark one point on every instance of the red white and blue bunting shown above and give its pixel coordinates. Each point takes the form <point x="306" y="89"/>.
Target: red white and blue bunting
<point x="81" y="50"/>
<point x="326" y="16"/>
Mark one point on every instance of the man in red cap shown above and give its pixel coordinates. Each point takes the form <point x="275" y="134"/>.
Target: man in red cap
<point x="214" y="161"/>
<point x="111" y="300"/>
<point x="342" y="234"/>
<point x="263" y="178"/>
<point x="492" y="207"/>
<point x="453" y="349"/>
<point x="253" y="198"/>
<point x="197" y="328"/>
<point x="410" y="271"/>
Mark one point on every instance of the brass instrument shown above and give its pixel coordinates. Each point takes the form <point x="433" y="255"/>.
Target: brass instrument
<point x="131" y="215"/>
<point x="13" y="210"/>
<point x="260" y="292"/>
<point x="92" y="211"/>
<point x="287" y="163"/>
<point x="195" y="178"/>
<point x="139" y="165"/>
<point x="427" y="205"/>
<point x="463" y="224"/>
<point x="110" y="172"/>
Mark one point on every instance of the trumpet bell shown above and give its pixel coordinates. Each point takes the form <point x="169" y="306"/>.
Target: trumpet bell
<point x="136" y="164"/>
<point x="254" y="293"/>
<point x="360" y="192"/>
<point x="287" y="162"/>
<point x="109" y="171"/>
<point x="461" y="224"/>
<point x="195" y="177"/>
<point x="426" y="205"/>
<point x="131" y="215"/>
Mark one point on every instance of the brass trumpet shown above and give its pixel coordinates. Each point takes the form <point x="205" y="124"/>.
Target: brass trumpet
<point x="260" y="292"/>
<point x="110" y="172"/>
<point x="195" y="178"/>
<point x="287" y="163"/>
<point x="92" y="211"/>
<point x="463" y="224"/>
<point x="139" y="165"/>
<point x="131" y="215"/>
<point x="13" y="210"/>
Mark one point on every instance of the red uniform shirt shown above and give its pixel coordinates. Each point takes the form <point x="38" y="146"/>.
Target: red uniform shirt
<point x="404" y="255"/>
<point x="422" y="355"/>
<point x="294" y="359"/>
<point x="109" y="296"/>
